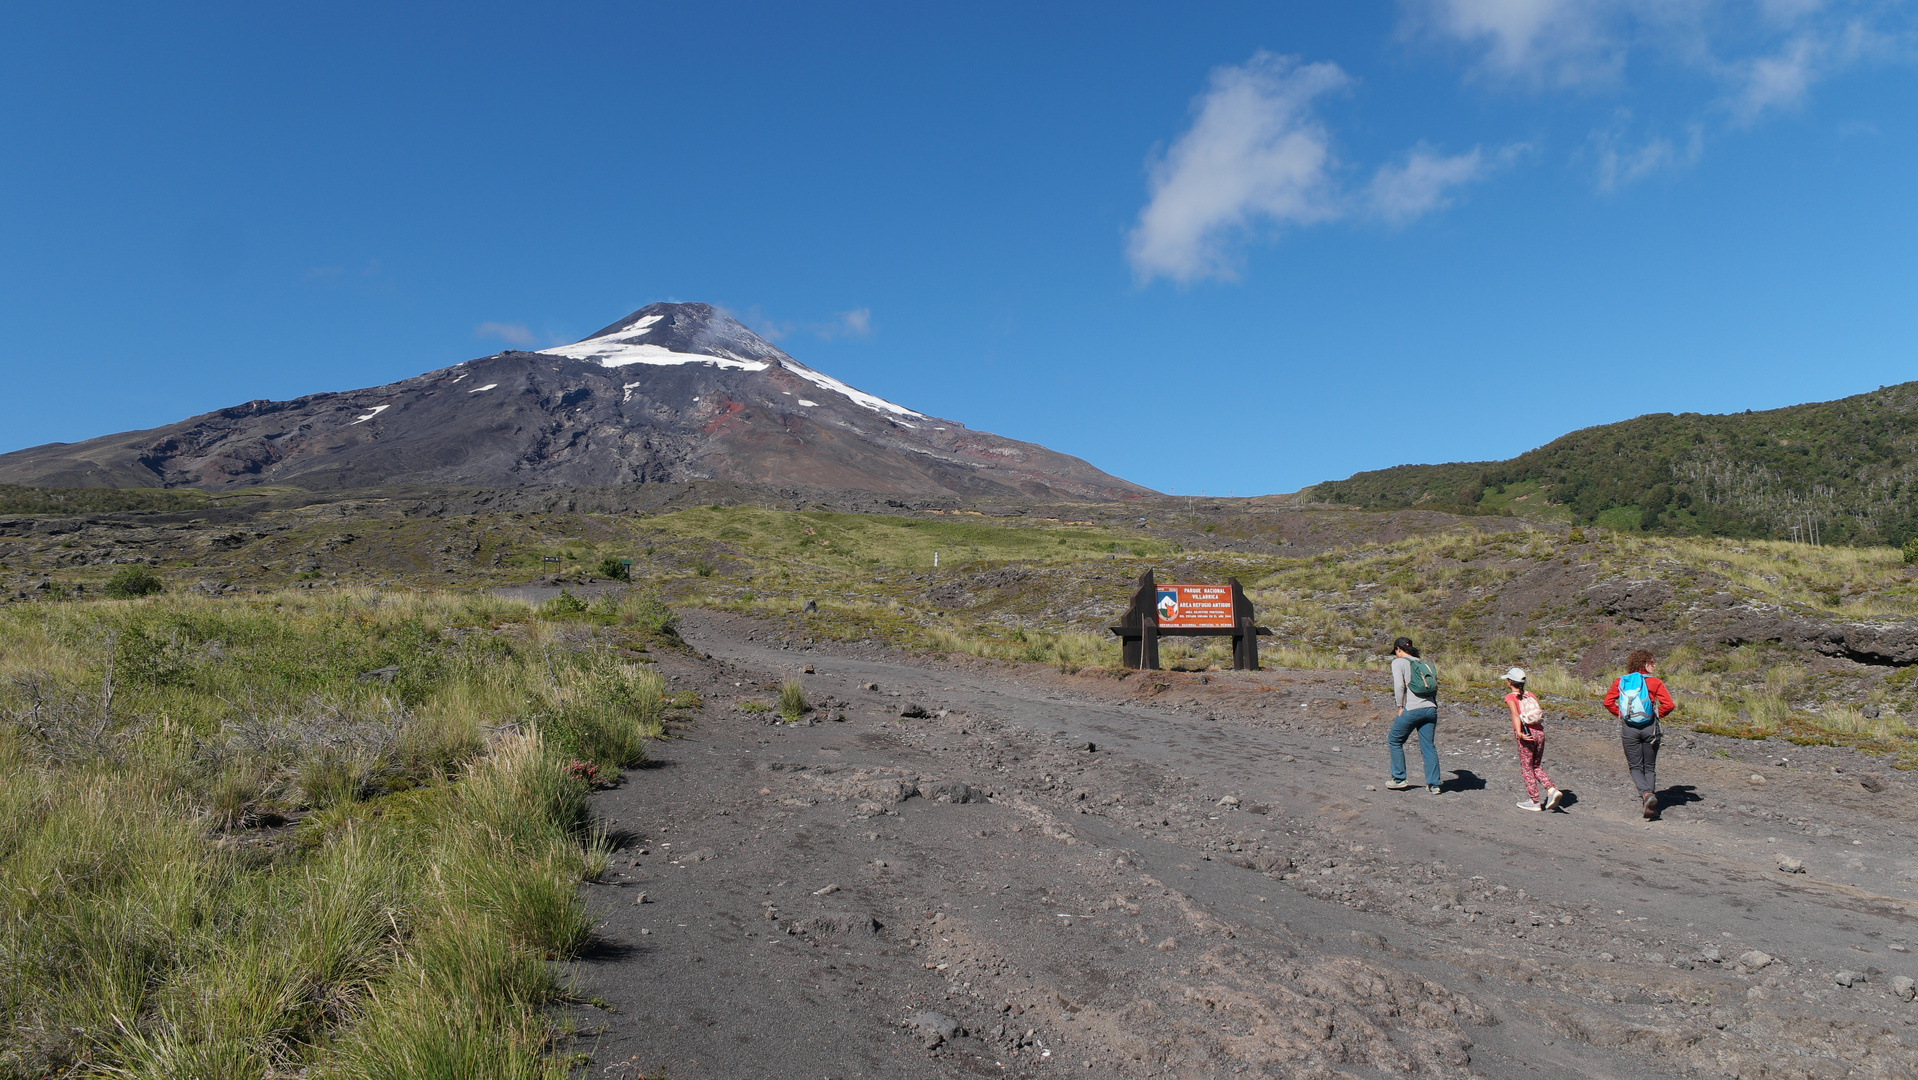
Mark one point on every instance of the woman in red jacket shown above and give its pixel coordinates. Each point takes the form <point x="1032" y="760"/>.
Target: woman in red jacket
<point x="1640" y="701"/>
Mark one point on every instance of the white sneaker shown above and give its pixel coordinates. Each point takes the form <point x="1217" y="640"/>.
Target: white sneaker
<point x="1552" y="795"/>
<point x="1530" y="805"/>
<point x="1398" y="785"/>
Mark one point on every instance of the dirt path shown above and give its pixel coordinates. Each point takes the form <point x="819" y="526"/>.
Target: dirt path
<point x="1182" y="875"/>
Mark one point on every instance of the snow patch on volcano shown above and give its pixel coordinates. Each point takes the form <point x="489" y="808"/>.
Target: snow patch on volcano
<point x="612" y="353"/>
<point x="859" y="397"/>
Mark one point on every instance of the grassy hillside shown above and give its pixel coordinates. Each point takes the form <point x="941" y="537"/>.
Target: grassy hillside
<point x="333" y="834"/>
<point x="1847" y="466"/>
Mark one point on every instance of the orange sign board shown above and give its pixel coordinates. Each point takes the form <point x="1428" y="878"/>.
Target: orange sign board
<point x="1194" y="607"/>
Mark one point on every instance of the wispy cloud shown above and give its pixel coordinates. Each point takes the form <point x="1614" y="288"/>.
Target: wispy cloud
<point x="1765" y="54"/>
<point x="1745" y="59"/>
<point x="1620" y="160"/>
<point x="1424" y="181"/>
<point x="1776" y="81"/>
<point x="510" y="333"/>
<point x="1258" y="156"/>
<point x="1562" y="42"/>
<point x="856" y="323"/>
<point x="1255" y="153"/>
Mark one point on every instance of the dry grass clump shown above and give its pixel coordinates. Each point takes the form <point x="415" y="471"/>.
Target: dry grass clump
<point x="1069" y="652"/>
<point x="336" y="834"/>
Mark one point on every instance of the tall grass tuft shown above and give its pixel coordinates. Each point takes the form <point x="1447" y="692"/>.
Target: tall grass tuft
<point x="792" y="699"/>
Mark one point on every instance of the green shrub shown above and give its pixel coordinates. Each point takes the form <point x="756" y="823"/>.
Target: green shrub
<point x="647" y="610"/>
<point x="617" y="569"/>
<point x="1910" y="550"/>
<point x="131" y="581"/>
<point x="563" y="604"/>
<point x="703" y="568"/>
<point x="792" y="700"/>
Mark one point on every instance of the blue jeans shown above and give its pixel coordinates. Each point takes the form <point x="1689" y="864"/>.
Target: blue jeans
<point x="1426" y="722"/>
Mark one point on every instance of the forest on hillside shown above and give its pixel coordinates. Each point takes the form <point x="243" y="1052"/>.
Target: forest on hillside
<point x="1844" y="469"/>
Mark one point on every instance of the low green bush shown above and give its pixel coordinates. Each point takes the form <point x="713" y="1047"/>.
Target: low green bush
<point x="129" y="582"/>
<point x="564" y="604"/>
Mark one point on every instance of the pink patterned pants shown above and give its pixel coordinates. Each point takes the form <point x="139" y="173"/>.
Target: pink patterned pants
<point x="1530" y="756"/>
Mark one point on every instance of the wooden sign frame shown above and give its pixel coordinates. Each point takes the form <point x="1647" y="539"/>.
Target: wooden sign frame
<point x="1139" y="631"/>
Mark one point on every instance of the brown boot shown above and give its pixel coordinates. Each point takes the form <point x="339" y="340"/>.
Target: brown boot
<point x="1651" y="806"/>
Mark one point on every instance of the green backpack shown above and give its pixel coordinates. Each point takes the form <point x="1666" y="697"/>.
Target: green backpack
<point x="1422" y="680"/>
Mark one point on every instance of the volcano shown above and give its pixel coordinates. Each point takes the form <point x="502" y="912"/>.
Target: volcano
<point x="671" y="393"/>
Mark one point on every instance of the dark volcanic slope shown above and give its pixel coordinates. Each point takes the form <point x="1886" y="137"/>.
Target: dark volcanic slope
<point x="673" y="392"/>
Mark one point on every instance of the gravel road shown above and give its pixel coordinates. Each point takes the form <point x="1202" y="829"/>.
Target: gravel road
<point x="1203" y="875"/>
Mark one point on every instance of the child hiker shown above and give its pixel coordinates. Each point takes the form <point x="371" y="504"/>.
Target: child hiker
<point x="1528" y="730"/>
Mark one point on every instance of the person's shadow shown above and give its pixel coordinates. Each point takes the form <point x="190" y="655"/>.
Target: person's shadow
<point x="1679" y="795"/>
<point x="1566" y="799"/>
<point x="1463" y="780"/>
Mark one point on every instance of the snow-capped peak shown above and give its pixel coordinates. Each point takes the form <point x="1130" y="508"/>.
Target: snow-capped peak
<point x="700" y="334"/>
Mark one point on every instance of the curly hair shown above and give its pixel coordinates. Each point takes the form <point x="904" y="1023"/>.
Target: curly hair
<point x="1639" y="660"/>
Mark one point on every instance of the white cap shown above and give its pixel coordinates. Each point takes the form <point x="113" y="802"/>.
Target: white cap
<point x="1517" y="674"/>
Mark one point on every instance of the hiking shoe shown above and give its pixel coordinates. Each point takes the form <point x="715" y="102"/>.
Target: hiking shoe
<point x="1431" y="789"/>
<point x="1552" y="795"/>
<point x="1529" y="805"/>
<point x="1398" y="785"/>
<point x="1651" y="806"/>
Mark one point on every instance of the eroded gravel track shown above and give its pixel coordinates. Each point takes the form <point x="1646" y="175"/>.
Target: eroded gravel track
<point x="1103" y="913"/>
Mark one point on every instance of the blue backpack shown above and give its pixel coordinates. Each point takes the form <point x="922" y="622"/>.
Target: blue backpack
<point x="1634" y="700"/>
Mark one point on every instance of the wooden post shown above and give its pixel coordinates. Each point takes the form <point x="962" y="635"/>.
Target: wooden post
<point x="1245" y="651"/>
<point x="1134" y="650"/>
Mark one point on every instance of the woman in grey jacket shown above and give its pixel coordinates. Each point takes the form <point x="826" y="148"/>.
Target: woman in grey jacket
<point x="1417" y="712"/>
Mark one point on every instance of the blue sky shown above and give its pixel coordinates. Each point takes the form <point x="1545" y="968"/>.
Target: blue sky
<point x="1231" y="247"/>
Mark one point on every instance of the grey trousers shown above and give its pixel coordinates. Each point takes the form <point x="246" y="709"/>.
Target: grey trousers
<point x="1641" y="755"/>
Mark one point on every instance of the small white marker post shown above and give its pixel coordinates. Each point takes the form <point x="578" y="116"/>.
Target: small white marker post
<point x="935" y="560"/>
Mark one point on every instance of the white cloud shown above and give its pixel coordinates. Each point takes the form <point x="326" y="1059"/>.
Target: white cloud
<point x="1775" y="81"/>
<point x="1254" y="153"/>
<point x="1815" y="51"/>
<point x="510" y="333"/>
<point x="1621" y="162"/>
<point x="1766" y="54"/>
<point x="1563" y="42"/>
<point x="1257" y="154"/>
<point x="858" y="323"/>
<point x="1422" y="183"/>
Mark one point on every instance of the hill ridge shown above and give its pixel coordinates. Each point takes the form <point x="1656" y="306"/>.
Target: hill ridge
<point x="1846" y="468"/>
